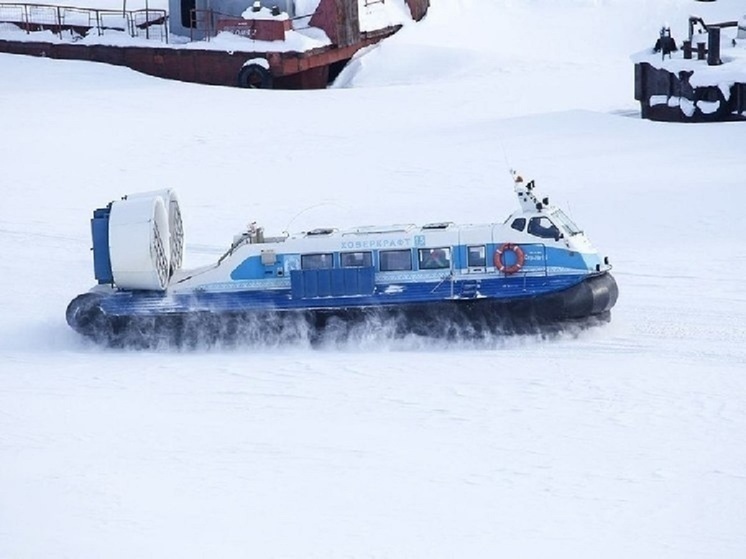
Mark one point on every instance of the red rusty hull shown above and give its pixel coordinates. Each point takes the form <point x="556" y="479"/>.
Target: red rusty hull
<point x="290" y="70"/>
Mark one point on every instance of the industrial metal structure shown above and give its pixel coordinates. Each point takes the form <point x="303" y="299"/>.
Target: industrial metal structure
<point x="702" y="81"/>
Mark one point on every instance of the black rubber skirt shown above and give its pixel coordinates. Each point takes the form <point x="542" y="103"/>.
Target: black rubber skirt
<point x="586" y="304"/>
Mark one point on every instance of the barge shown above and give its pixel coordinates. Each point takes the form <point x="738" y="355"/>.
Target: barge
<point x="533" y="272"/>
<point x="270" y="44"/>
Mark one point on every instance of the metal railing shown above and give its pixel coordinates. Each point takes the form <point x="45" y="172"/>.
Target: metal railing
<point x="202" y="24"/>
<point x="80" y="21"/>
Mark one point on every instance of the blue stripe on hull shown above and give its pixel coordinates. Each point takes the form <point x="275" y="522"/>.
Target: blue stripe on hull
<point x="501" y="289"/>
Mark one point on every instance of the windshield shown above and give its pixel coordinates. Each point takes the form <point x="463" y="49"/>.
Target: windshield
<point x="567" y="223"/>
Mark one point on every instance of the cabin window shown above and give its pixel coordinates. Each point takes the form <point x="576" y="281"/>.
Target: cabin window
<point x="476" y="256"/>
<point x="316" y="261"/>
<point x="356" y="259"/>
<point x="434" y="258"/>
<point x="519" y="224"/>
<point x="395" y="260"/>
<point x="543" y="228"/>
<point x="566" y="222"/>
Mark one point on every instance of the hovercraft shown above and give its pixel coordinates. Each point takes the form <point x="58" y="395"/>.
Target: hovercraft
<point x="536" y="270"/>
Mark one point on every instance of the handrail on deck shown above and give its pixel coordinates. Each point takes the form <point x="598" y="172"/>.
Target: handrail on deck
<point x="58" y="18"/>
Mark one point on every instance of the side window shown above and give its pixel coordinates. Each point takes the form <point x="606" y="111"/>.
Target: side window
<point x="519" y="223"/>
<point x="434" y="258"/>
<point x="315" y="261"/>
<point x="356" y="259"/>
<point x="543" y="228"/>
<point x="568" y="223"/>
<point x="395" y="260"/>
<point x="476" y="256"/>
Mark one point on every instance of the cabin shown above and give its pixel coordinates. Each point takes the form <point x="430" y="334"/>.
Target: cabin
<point x="196" y="18"/>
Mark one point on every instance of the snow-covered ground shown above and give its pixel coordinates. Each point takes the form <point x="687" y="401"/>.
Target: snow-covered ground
<point x="621" y="441"/>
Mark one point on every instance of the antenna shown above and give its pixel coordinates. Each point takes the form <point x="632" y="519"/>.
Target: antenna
<point x="308" y="209"/>
<point x="508" y="167"/>
<point x="514" y="176"/>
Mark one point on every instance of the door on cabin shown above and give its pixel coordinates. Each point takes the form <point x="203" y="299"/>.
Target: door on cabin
<point x="186" y="12"/>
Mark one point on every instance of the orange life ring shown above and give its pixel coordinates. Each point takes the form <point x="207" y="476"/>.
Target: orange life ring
<point x="520" y="258"/>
